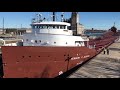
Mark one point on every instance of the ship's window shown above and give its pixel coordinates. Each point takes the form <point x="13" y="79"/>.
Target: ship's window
<point x="62" y="27"/>
<point x="45" y="27"/>
<point x="33" y="27"/>
<point x="58" y="27"/>
<point x="54" y="27"/>
<point x="50" y="27"/>
<point x="54" y="42"/>
<point x="66" y="42"/>
<point x="40" y="41"/>
<point x="35" y="41"/>
<point x="68" y="27"/>
<point x="37" y="26"/>
<point x="26" y="39"/>
<point x="41" y="27"/>
<point x="77" y="41"/>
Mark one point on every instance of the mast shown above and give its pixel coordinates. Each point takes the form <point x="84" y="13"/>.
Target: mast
<point x="21" y="26"/>
<point x="114" y="24"/>
<point x="53" y="16"/>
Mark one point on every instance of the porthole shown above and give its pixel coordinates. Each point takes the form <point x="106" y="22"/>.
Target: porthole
<point x="26" y="39"/>
<point x="54" y="42"/>
<point x="35" y="41"/>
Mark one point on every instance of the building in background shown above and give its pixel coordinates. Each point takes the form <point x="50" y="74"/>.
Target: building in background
<point x="77" y="28"/>
<point x="15" y="31"/>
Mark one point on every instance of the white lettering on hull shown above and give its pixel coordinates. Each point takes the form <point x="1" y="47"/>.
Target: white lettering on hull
<point x="76" y="58"/>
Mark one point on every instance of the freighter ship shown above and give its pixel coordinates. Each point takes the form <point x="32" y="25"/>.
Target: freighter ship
<point x="50" y="50"/>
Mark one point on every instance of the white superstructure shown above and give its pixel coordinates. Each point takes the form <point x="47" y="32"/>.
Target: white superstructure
<point x="51" y="33"/>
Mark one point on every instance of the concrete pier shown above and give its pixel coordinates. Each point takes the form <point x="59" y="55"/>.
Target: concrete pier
<point x="101" y="66"/>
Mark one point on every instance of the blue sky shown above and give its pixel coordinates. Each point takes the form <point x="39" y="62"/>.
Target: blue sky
<point x="97" y="20"/>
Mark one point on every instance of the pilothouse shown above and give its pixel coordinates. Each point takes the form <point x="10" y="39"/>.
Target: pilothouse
<point x="51" y="33"/>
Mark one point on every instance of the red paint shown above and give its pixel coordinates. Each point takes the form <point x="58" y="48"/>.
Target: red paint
<point x="40" y="61"/>
<point x="48" y="62"/>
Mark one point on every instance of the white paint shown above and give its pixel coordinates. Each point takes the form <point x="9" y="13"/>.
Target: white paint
<point x="51" y="23"/>
<point x="61" y="72"/>
<point x="79" y="63"/>
<point x="52" y="34"/>
<point x="51" y="38"/>
<point x="85" y="56"/>
<point x="74" y="58"/>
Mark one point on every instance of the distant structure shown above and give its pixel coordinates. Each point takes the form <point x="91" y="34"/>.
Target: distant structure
<point x="114" y="29"/>
<point x="75" y="25"/>
<point x="3" y="27"/>
<point x="15" y="31"/>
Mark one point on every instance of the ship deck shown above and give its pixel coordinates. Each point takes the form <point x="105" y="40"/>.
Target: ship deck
<point x="101" y="66"/>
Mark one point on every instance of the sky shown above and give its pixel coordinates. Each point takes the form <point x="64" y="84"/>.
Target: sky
<point x="97" y="20"/>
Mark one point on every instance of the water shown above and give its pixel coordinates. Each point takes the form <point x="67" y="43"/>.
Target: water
<point x="93" y="34"/>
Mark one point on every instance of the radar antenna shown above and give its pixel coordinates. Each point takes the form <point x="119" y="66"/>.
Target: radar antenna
<point x="62" y="17"/>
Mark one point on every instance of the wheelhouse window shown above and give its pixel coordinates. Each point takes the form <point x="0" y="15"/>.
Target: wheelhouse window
<point x="44" y="26"/>
<point x="62" y="27"/>
<point x="68" y="27"/>
<point x="58" y="26"/>
<point x="33" y="26"/>
<point x="49" y="26"/>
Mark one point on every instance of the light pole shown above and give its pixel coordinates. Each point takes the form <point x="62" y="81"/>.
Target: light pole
<point x="3" y="26"/>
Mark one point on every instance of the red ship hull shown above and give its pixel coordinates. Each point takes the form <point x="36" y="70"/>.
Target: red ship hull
<point x="48" y="62"/>
<point x="42" y="62"/>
